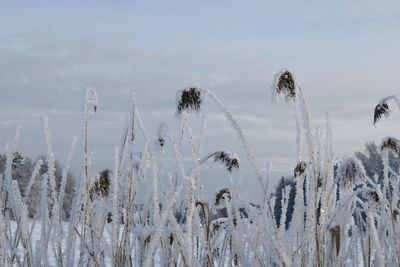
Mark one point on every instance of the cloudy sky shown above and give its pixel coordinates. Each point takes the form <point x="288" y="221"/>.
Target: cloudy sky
<point x="345" y="55"/>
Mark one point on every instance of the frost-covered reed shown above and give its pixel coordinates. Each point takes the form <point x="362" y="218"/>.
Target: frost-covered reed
<point x="339" y="213"/>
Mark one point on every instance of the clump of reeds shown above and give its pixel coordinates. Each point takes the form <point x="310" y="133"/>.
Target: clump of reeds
<point x="149" y="233"/>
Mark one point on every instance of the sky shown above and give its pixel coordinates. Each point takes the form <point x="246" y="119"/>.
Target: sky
<point x="344" y="54"/>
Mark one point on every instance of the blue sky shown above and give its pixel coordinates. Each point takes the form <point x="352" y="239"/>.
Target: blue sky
<point x="344" y="53"/>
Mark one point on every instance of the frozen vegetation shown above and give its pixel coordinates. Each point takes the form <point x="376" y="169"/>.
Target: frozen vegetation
<point x="332" y="212"/>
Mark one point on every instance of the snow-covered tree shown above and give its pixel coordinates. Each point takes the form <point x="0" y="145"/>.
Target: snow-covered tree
<point x="22" y="170"/>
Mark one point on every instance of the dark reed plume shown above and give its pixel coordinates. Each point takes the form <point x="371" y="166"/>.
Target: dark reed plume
<point x="391" y="143"/>
<point x="230" y="161"/>
<point x="382" y="109"/>
<point x="300" y="168"/>
<point x="189" y="100"/>
<point x="101" y="186"/>
<point x="221" y="195"/>
<point x="350" y="172"/>
<point x="285" y="85"/>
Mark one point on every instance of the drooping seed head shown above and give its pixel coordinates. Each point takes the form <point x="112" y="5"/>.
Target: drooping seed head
<point x="392" y="144"/>
<point x="189" y="100"/>
<point x="222" y="194"/>
<point x="300" y="168"/>
<point x="230" y="160"/>
<point x="285" y="85"/>
<point x="350" y="172"/>
<point x="382" y="109"/>
<point x="101" y="185"/>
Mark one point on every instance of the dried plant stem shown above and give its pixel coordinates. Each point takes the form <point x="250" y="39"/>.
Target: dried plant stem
<point x="282" y="254"/>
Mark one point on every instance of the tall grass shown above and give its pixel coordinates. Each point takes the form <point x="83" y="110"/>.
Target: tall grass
<point x="341" y="216"/>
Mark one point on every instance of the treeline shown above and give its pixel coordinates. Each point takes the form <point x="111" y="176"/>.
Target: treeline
<point x="22" y="169"/>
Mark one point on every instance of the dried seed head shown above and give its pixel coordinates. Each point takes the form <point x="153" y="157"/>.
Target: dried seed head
<point x="350" y="172"/>
<point x="285" y="85"/>
<point x="221" y="195"/>
<point x="382" y="109"/>
<point x="230" y="160"/>
<point x="17" y="160"/>
<point x="101" y="185"/>
<point x="190" y="100"/>
<point x="300" y="168"/>
<point x="391" y="144"/>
